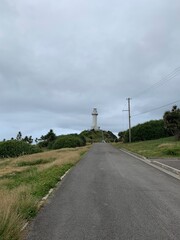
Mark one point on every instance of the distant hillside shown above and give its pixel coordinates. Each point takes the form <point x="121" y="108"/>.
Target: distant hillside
<point x="98" y="136"/>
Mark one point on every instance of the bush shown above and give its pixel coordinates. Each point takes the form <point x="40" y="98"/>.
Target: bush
<point x="69" y="141"/>
<point x="15" y="148"/>
<point x="151" y="130"/>
<point x="98" y="136"/>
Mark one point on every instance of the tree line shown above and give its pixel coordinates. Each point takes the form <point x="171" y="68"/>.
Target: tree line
<point x="26" y="145"/>
<point x="154" y="129"/>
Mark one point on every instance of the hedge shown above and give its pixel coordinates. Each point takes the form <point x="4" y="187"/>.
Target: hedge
<point x="15" y="148"/>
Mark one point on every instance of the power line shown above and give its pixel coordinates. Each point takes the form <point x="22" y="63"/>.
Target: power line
<point x="165" y="79"/>
<point x="155" y="108"/>
<point x="161" y="82"/>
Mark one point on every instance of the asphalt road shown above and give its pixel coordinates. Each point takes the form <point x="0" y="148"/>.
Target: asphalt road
<point x="175" y="163"/>
<point x="110" y="195"/>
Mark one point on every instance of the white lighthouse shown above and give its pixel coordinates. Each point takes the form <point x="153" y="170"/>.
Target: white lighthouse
<point x="94" y="119"/>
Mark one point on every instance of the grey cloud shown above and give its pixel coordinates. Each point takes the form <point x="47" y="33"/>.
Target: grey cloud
<point x="58" y="60"/>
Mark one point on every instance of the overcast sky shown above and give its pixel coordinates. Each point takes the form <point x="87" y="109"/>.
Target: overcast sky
<point x="60" y="59"/>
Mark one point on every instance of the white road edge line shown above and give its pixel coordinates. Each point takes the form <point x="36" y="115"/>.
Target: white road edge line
<point x="147" y="161"/>
<point x="174" y="170"/>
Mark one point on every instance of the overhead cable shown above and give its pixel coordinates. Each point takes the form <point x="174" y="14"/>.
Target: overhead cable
<point x="161" y="82"/>
<point x="156" y="108"/>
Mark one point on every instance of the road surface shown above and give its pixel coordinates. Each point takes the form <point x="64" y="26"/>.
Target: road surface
<point x="110" y="195"/>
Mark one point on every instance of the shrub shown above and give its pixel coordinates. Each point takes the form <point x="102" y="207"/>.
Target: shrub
<point x="98" y="136"/>
<point x="15" y="148"/>
<point x="150" y="130"/>
<point x="69" y="141"/>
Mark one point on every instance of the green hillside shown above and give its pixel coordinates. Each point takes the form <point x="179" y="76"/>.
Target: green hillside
<point x="92" y="136"/>
<point x="160" y="148"/>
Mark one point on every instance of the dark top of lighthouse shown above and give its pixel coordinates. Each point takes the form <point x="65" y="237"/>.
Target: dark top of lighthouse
<point x="94" y="112"/>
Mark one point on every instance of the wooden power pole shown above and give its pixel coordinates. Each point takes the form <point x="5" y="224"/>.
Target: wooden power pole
<point x="129" y="115"/>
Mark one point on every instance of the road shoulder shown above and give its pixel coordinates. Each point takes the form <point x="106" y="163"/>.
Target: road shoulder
<point x="157" y="163"/>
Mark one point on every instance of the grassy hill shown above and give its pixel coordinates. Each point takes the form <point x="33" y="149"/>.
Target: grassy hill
<point x="160" y="148"/>
<point x="92" y="136"/>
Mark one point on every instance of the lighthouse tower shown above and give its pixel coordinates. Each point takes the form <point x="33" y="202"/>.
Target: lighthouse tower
<point x="94" y="119"/>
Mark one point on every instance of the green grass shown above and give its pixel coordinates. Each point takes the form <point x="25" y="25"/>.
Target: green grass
<point x="160" y="148"/>
<point x="34" y="162"/>
<point x="28" y="207"/>
<point x="82" y="154"/>
<point x="40" y="181"/>
<point x="25" y="205"/>
<point x="22" y="189"/>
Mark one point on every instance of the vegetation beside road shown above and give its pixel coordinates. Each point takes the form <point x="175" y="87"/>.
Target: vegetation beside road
<point x="155" y="129"/>
<point x="160" y="148"/>
<point x="92" y="136"/>
<point x="150" y="130"/>
<point x="15" y="148"/>
<point x="25" y="180"/>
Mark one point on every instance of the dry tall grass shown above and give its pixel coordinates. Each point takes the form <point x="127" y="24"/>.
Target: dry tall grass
<point x="10" y="221"/>
<point x="62" y="156"/>
<point x="14" y="203"/>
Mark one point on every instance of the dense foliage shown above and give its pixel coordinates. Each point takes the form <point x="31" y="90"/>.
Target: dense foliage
<point x="69" y="141"/>
<point x="98" y="136"/>
<point x="15" y="148"/>
<point x="48" y="139"/>
<point x="23" y="145"/>
<point x="172" y="121"/>
<point x="153" y="129"/>
<point x="51" y="141"/>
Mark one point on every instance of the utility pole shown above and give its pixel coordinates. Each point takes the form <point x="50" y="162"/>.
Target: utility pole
<point x="102" y="136"/>
<point x="129" y="116"/>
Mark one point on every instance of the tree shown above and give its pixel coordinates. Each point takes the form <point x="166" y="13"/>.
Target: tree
<point x="48" y="139"/>
<point x="19" y="136"/>
<point x="50" y="136"/>
<point x="172" y="121"/>
<point x="28" y="139"/>
<point x="121" y="136"/>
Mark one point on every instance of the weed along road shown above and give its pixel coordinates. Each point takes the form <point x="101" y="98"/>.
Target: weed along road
<point x="110" y="195"/>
